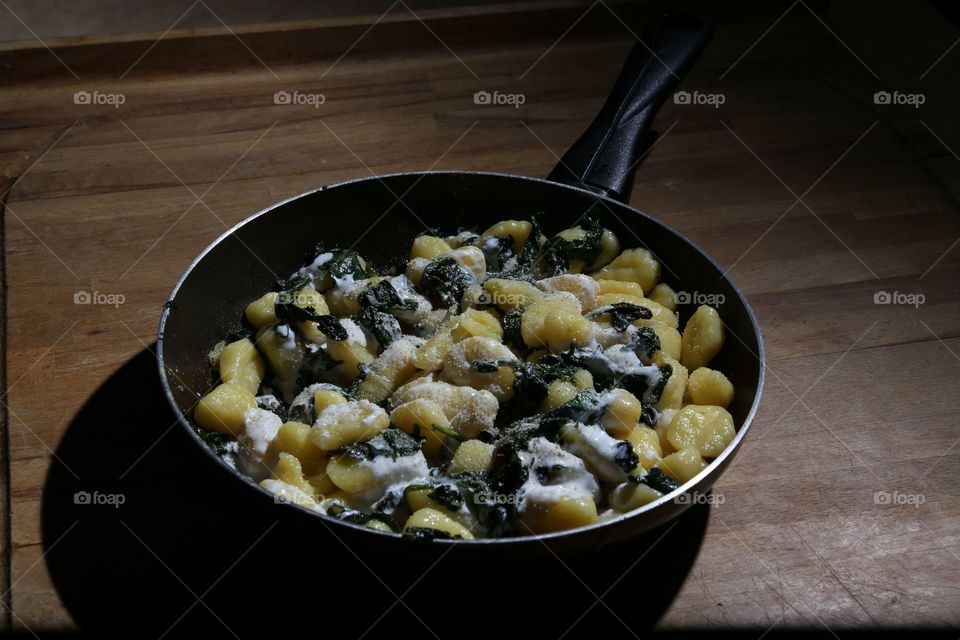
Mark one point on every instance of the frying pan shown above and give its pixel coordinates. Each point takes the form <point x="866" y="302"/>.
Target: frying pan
<point x="380" y="216"/>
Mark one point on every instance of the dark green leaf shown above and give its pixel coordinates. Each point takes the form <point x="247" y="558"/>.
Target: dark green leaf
<point x="625" y="457"/>
<point x="621" y="314"/>
<point x="656" y="479"/>
<point x="382" y="296"/>
<point x="446" y="280"/>
<point x="426" y="533"/>
<point x="512" y="336"/>
<point x="447" y="496"/>
<point x="292" y="314"/>
<point x="496" y="251"/>
<point x="391" y="442"/>
<point x="381" y="325"/>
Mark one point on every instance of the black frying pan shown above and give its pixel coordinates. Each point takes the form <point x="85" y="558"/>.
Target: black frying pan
<point x="380" y="216"/>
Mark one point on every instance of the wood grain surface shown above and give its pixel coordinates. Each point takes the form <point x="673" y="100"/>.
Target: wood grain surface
<point x="841" y="509"/>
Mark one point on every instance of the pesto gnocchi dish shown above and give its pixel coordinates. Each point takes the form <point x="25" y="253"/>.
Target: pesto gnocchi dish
<point x="498" y="384"/>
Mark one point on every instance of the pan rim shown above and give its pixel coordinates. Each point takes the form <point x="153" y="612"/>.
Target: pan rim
<point x="544" y="538"/>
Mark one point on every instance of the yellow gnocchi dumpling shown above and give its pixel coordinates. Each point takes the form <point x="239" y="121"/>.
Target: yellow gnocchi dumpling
<point x="518" y="230"/>
<point x="392" y="368"/>
<point x="646" y="444"/>
<point x="428" y="247"/>
<point x="629" y="496"/>
<point x="429" y="356"/>
<point x="708" y="428"/>
<point x="555" y="322"/>
<point x="622" y="413"/>
<point x="670" y="340"/>
<point x="432" y="519"/>
<point x="458" y="366"/>
<point x="664" y="295"/>
<point x="424" y="418"/>
<point x="583" y="287"/>
<point x="222" y="409"/>
<point x="683" y="465"/>
<point x="672" y="395"/>
<point x="341" y="424"/>
<point x="241" y="364"/>
<point x="633" y="265"/>
<point x="472" y="455"/>
<point x="510" y="294"/>
<point x="565" y="513"/>
<point x="475" y="323"/>
<point x="707" y="386"/>
<point x="558" y="392"/>
<point x="261" y="312"/>
<point x="703" y="338"/>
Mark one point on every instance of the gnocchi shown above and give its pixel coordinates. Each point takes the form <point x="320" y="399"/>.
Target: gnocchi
<point x="505" y="383"/>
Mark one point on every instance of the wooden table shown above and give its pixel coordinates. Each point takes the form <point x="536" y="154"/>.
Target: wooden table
<point x="841" y="509"/>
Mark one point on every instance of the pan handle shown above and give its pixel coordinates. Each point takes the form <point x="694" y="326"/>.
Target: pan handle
<point x="604" y="159"/>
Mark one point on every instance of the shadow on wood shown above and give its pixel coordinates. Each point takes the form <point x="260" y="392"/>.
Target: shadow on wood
<point x="191" y="551"/>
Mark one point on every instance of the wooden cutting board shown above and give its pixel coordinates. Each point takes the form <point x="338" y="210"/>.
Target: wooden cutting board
<point x="841" y="508"/>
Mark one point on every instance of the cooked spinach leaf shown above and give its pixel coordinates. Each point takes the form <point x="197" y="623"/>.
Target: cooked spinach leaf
<point x="391" y="442"/>
<point x="447" y="496"/>
<point x="656" y="479"/>
<point x="381" y="325"/>
<point x="292" y="314"/>
<point x="621" y="314"/>
<point x="472" y="481"/>
<point x="426" y="533"/>
<point x="383" y="296"/>
<point x="496" y="251"/>
<point x="347" y="264"/>
<point x="531" y="381"/>
<point x="649" y="415"/>
<point x="645" y="342"/>
<point x="625" y="457"/>
<point x="558" y="252"/>
<point x="521" y="266"/>
<point x="512" y="336"/>
<point x="445" y="280"/>
<point x="507" y="471"/>
<point x="347" y="514"/>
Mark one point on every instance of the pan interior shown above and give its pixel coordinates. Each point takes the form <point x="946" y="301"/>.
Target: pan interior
<point x="379" y="218"/>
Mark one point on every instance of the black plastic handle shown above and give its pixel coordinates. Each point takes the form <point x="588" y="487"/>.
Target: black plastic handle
<point x="605" y="157"/>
